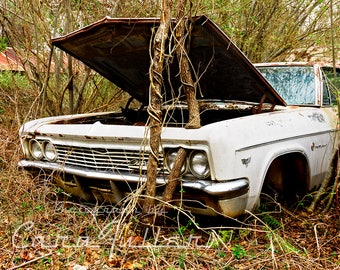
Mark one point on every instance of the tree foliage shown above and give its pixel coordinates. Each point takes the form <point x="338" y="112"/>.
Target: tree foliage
<point x="270" y="30"/>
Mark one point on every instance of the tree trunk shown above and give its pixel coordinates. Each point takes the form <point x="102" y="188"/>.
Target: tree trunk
<point x="174" y="175"/>
<point x="70" y="85"/>
<point x="154" y="109"/>
<point x="184" y="66"/>
<point x="194" y="120"/>
<point x="334" y="167"/>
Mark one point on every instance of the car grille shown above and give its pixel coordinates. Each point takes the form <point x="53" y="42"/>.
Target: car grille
<point x="101" y="159"/>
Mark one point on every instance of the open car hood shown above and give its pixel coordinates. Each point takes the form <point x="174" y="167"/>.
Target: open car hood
<point x="119" y="49"/>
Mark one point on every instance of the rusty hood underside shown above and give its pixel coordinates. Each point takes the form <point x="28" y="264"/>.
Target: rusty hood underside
<point x="119" y="50"/>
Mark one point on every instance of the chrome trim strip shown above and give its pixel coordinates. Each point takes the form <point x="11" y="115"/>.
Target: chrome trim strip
<point x="330" y="132"/>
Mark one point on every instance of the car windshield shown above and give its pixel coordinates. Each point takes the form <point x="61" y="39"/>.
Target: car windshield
<point x="294" y="84"/>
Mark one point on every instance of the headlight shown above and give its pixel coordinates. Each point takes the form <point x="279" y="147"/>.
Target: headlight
<point x="170" y="161"/>
<point x="50" y="152"/>
<point x="35" y="149"/>
<point x="199" y="165"/>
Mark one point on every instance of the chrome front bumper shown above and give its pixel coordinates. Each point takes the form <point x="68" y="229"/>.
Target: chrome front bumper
<point x="218" y="189"/>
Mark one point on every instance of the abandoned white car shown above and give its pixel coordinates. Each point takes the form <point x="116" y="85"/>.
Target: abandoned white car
<point x="251" y="136"/>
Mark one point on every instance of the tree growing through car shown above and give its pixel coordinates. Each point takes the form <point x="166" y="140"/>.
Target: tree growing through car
<point x="182" y="34"/>
<point x="154" y="108"/>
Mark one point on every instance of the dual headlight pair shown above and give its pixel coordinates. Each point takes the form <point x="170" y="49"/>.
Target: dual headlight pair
<point x="196" y="163"/>
<point x="42" y="149"/>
